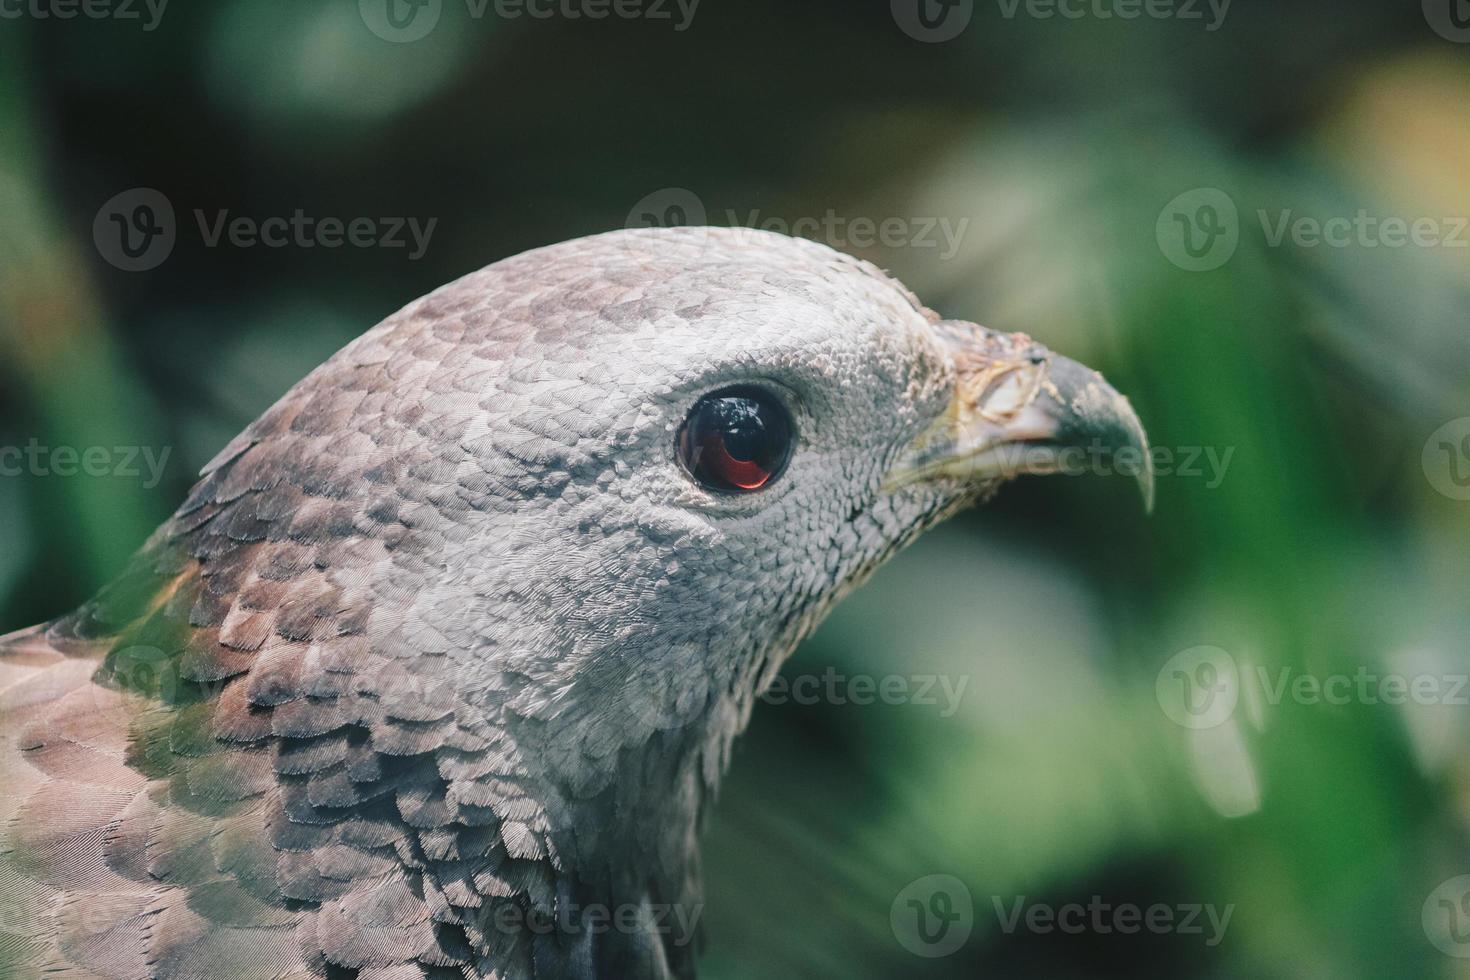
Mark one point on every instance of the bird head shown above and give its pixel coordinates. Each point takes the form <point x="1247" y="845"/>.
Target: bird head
<point x="521" y="558"/>
<point x="679" y="448"/>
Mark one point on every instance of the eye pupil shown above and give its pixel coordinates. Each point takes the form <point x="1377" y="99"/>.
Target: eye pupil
<point x="736" y="440"/>
<point x="744" y="439"/>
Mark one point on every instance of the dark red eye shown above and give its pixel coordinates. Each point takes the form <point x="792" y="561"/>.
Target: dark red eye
<point x="736" y="440"/>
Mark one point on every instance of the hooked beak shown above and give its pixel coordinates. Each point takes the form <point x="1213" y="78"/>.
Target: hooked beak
<point x="1020" y="409"/>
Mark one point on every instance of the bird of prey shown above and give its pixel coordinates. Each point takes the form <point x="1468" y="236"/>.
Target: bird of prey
<point x="436" y="669"/>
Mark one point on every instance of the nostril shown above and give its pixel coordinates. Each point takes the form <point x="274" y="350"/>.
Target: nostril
<point x="1008" y="390"/>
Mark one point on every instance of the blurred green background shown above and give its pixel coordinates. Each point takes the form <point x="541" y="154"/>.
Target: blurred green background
<point x="1100" y="168"/>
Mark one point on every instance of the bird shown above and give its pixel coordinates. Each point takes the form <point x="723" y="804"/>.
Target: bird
<point x="435" y="671"/>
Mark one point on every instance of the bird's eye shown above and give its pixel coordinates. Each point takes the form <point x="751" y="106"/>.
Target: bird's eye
<point x="736" y="440"/>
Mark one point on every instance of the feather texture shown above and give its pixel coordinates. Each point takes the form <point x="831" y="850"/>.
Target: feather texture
<point x="442" y="657"/>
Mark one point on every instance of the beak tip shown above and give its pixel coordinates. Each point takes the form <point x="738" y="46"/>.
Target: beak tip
<point x="1147" y="487"/>
<point x="1146" y="483"/>
<point x="1091" y="411"/>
